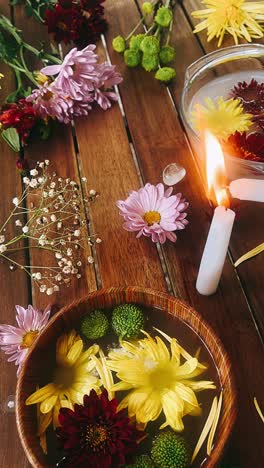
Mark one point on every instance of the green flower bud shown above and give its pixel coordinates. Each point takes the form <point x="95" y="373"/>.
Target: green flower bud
<point x="132" y="57"/>
<point x="150" y="62"/>
<point x="119" y="44"/>
<point x="165" y="74"/>
<point x="150" y="45"/>
<point x="135" y="41"/>
<point x="167" y="54"/>
<point x="147" y="8"/>
<point x="94" y="325"/>
<point x="170" y="450"/>
<point x="163" y="17"/>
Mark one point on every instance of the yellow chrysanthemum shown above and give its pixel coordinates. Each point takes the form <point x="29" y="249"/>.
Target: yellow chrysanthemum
<point x="221" y="117"/>
<point x="236" y="17"/>
<point x="159" y="380"/>
<point x="72" y="380"/>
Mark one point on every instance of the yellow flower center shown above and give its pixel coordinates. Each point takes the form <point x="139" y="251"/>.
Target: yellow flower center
<point x="29" y="338"/>
<point x="162" y="377"/>
<point x="233" y="12"/>
<point x="96" y="436"/>
<point x="64" y="377"/>
<point x="152" y="217"/>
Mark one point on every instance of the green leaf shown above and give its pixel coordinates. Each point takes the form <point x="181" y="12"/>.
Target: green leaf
<point x="29" y="10"/>
<point x="11" y="137"/>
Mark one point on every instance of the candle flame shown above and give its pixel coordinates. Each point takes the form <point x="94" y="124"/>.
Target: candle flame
<point x="215" y="169"/>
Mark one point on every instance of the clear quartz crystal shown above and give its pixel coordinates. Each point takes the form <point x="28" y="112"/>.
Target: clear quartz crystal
<point x="173" y="173"/>
<point x="10" y="404"/>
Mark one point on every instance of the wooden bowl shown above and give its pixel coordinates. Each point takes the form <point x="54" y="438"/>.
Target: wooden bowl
<point x="70" y="315"/>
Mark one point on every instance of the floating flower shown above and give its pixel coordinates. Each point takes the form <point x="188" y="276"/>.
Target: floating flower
<point x="221" y="117"/>
<point x="72" y="377"/>
<point x="49" y="101"/>
<point x="246" y="146"/>
<point x="97" y="433"/>
<point x="157" y="380"/>
<point x="79" y="21"/>
<point x="251" y="95"/>
<point x="239" y="18"/>
<point x="154" y="213"/>
<point x="16" y="341"/>
<point x="20" y="115"/>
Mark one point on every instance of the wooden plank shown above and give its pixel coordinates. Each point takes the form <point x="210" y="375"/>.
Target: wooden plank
<point x="14" y="288"/>
<point x="59" y="149"/>
<point x="244" y="238"/>
<point x="106" y="157"/>
<point x="159" y="140"/>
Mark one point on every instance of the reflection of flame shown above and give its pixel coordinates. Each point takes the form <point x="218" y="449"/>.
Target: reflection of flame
<point x="215" y="169"/>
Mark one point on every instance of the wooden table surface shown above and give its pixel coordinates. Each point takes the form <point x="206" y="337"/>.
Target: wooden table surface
<point x="117" y="151"/>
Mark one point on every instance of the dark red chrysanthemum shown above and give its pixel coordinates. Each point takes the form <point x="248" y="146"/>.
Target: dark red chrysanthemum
<point x="79" y="21"/>
<point x="251" y="95"/>
<point x="246" y="146"/>
<point x="19" y="115"/>
<point x="97" y="434"/>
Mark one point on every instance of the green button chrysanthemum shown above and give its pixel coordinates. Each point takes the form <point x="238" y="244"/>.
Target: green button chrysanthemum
<point x="167" y="55"/>
<point x="119" y="44"/>
<point x="150" y="62"/>
<point x="147" y="8"/>
<point x="165" y="74"/>
<point x="163" y="17"/>
<point x="132" y="57"/>
<point x="135" y="41"/>
<point x="150" y="45"/>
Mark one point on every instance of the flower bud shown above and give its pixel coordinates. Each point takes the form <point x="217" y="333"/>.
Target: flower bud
<point x="167" y="54"/>
<point x="132" y="57"/>
<point x="135" y="41"/>
<point x="163" y="17"/>
<point x="147" y="8"/>
<point x="165" y="74"/>
<point x="150" y="62"/>
<point x="150" y="45"/>
<point x="119" y="44"/>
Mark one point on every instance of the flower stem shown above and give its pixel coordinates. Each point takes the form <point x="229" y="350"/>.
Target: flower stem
<point x="52" y="58"/>
<point x="135" y="28"/>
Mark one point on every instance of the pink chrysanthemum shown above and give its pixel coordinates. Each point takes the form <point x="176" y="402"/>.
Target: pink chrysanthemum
<point x="50" y="101"/>
<point x="77" y="73"/>
<point x="16" y="341"/>
<point x="154" y="213"/>
<point x="107" y="78"/>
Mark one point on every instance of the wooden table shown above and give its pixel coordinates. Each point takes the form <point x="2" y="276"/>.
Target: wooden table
<point x="118" y="152"/>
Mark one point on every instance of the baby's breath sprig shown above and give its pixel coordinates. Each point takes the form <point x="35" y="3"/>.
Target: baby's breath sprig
<point x="48" y="215"/>
<point x="151" y="50"/>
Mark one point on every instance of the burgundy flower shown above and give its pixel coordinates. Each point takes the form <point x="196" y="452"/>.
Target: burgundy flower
<point x="19" y="115"/>
<point x="97" y="434"/>
<point x="79" y="21"/>
<point x="251" y="94"/>
<point x="246" y="146"/>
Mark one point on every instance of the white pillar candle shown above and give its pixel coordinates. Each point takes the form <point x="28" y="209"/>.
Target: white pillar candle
<point x="215" y="251"/>
<point x="247" y="189"/>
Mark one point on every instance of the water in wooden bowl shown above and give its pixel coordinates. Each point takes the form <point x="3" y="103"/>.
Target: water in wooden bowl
<point x="163" y="312"/>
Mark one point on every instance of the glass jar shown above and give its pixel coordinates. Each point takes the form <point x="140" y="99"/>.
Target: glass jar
<point x="214" y="75"/>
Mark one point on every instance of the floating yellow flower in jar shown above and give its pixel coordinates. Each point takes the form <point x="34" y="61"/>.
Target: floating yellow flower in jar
<point x="221" y="117"/>
<point x="73" y="378"/>
<point x="239" y="18"/>
<point x="158" y="380"/>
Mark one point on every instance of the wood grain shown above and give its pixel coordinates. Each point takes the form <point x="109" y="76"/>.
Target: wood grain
<point x="14" y="287"/>
<point x="59" y="149"/>
<point x="159" y="140"/>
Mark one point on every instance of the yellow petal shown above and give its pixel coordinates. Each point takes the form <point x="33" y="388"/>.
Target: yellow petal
<point x="44" y="422"/>
<point x="206" y="429"/>
<point x="252" y="253"/>
<point x="119" y="386"/>
<point x="48" y="404"/>
<point x="258" y="409"/>
<point x="173" y="409"/>
<point x="187" y="368"/>
<point x="214" y="425"/>
<point x="42" y="394"/>
<point x="61" y="348"/>
<point x="85" y="356"/>
<point x="74" y="352"/>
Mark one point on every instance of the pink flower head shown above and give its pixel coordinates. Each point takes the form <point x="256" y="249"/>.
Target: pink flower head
<point x="50" y="101"/>
<point x="107" y="78"/>
<point x="16" y="341"/>
<point x="77" y="73"/>
<point x="154" y="213"/>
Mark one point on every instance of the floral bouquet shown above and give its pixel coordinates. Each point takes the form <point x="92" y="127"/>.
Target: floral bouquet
<point x="58" y="92"/>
